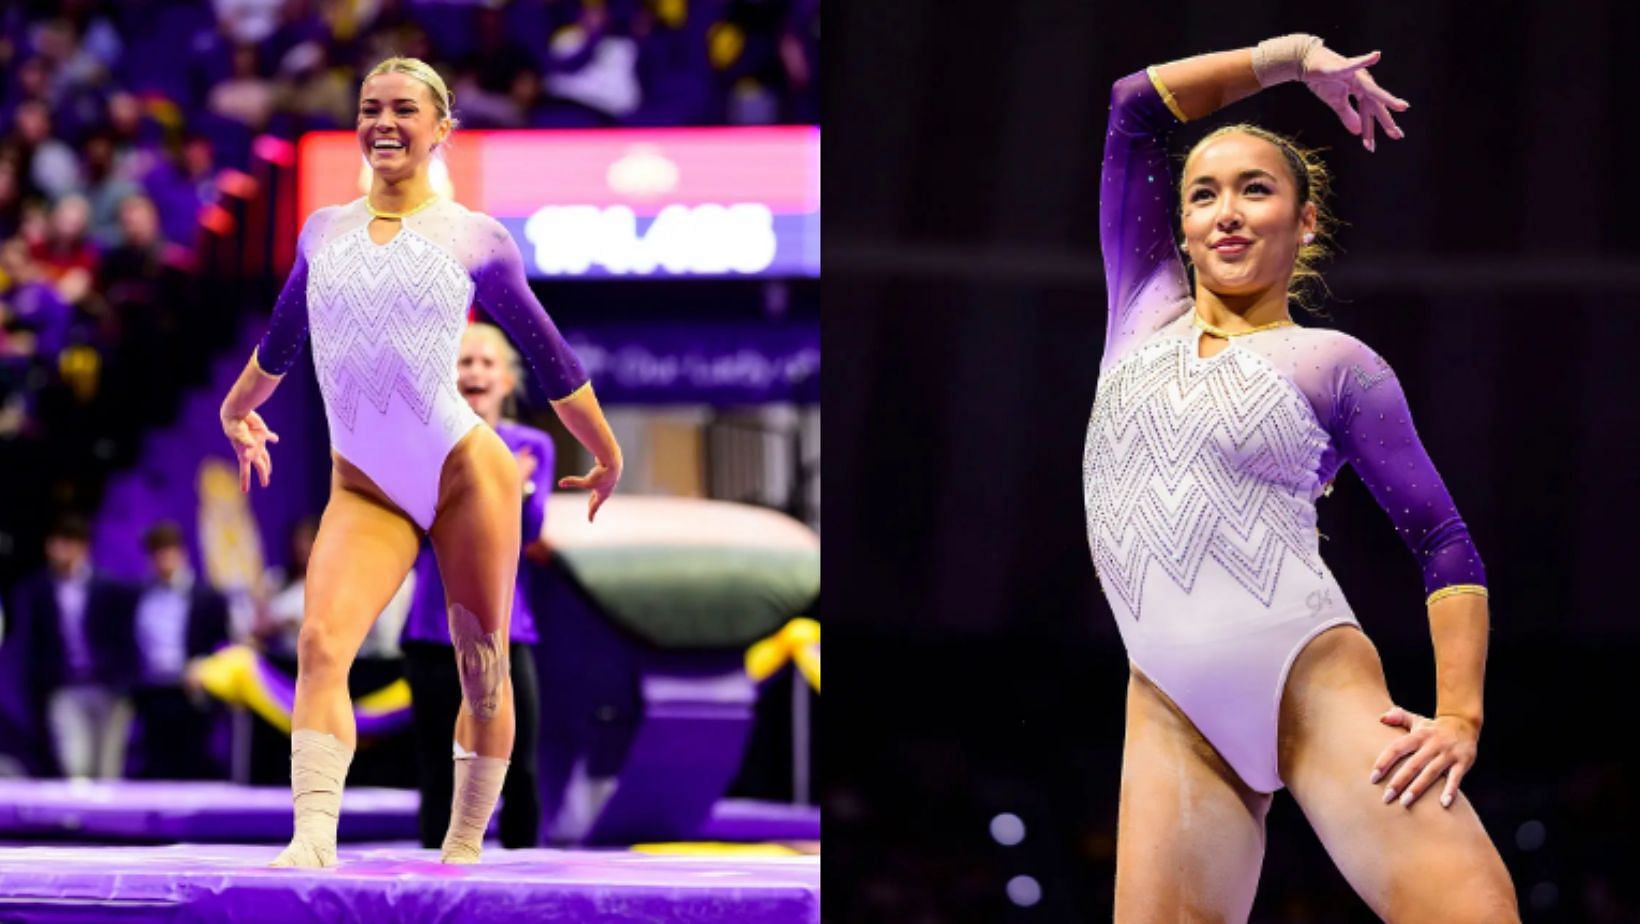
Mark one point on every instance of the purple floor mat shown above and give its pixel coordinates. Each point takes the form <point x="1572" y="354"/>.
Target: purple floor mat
<point x="193" y="811"/>
<point x="230" y="883"/>
<point x="159" y="812"/>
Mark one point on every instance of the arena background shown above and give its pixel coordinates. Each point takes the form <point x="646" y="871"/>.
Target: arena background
<point x="1491" y="257"/>
<point x="188" y="126"/>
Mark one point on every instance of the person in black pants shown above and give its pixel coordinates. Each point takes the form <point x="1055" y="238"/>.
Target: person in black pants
<point x="178" y="619"/>
<point x="487" y="369"/>
<point x="435" y="698"/>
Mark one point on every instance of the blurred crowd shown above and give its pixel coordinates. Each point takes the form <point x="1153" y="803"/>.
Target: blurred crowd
<point x="90" y="664"/>
<point x="124" y="125"/>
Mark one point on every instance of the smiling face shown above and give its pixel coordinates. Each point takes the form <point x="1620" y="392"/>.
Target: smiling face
<point x="484" y="372"/>
<point x="1242" y="219"/>
<point x="399" y="124"/>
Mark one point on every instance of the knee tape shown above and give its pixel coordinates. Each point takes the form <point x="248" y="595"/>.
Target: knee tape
<point x="481" y="660"/>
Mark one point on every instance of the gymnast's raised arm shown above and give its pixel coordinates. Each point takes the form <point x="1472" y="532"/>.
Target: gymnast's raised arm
<point x="1145" y="280"/>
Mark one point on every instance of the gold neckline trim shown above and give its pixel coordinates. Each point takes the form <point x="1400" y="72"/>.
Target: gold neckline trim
<point x="1196" y="320"/>
<point x="395" y="216"/>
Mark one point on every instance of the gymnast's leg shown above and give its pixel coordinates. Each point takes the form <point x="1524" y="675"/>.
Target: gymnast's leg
<point x="1424" y="863"/>
<point x="1189" y="832"/>
<point x="476" y="539"/>
<point x="364" y="549"/>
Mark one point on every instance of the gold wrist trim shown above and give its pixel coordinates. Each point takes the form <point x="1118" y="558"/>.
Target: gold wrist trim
<point x="1166" y="94"/>
<point x="585" y="386"/>
<point x="257" y="362"/>
<point x="1454" y="590"/>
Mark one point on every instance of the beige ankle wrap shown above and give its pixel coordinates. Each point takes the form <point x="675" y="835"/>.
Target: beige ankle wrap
<point x="478" y="786"/>
<point x="318" y="769"/>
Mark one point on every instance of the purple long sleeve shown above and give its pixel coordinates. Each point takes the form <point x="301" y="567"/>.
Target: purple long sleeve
<point x="505" y="294"/>
<point x="1371" y="427"/>
<point x="1145" y="281"/>
<point x="288" y="329"/>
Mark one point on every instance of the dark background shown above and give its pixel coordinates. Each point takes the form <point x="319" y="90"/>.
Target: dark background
<point x="1491" y="257"/>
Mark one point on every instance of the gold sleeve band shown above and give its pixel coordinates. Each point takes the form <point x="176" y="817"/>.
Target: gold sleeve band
<point x="1166" y="94"/>
<point x="585" y="386"/>
<point x="1455" y="589"/>
<point x="257" y="362"/>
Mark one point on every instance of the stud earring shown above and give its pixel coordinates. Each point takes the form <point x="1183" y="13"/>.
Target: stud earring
<point x="1309" y="238"/>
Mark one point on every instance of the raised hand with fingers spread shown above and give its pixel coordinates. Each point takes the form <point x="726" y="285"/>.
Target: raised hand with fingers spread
<point x="1338" y="81"/>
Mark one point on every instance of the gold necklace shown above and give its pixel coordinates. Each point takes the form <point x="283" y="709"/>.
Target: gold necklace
<point x="1221" y="332"/>
<point x="395" y="216"/>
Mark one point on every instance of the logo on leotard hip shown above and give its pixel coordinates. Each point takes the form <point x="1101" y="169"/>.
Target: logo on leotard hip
<point x="1319" y="600"/>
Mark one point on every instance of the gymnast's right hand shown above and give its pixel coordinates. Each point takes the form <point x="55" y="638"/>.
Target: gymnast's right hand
<point x="250" y="436"/>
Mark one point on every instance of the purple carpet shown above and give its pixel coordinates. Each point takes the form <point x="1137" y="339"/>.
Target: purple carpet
<point x="230" y="883"/>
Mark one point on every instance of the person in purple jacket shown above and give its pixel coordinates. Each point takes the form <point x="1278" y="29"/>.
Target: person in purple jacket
<point x="1218" y="424"/>
<point x="488" y="375"/>
<point x="384" y="284"/>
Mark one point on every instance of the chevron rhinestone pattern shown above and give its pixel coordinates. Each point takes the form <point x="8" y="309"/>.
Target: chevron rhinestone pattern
<point x="385" y="319"/>
<point x="1192" y="459"/>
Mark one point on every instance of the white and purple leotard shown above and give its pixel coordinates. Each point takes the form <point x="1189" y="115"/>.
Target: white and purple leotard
<point x="387" y="321"/>
<point x="1200" y="476"/>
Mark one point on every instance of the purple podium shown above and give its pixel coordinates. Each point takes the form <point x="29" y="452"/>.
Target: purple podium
<point x="646" y="618"/>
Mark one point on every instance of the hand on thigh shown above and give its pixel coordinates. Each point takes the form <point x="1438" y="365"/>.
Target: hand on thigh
<point x="1417" y="863"/>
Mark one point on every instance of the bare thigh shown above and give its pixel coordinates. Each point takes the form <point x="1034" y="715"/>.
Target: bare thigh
<point x="1190" y="833"/>
<point x="364" y="548"/>
<point x="1424" y="863"/>
<point x="476" y="529"/>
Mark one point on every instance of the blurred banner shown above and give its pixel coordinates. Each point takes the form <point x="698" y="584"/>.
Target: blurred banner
<point x="722" y="364"/>
<point x="656" y="203"/>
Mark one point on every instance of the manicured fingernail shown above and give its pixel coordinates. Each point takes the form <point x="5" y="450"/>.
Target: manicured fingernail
<point x="1389" y="795"/>
<point x="1406" y="800"/>
<point x="1446" y="801"/>
<point x="1376" y="776"/>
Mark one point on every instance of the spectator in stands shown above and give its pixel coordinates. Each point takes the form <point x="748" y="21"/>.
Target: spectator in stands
<point x="313" y="93"/>
<point x="67" y="252"/>
<point x="48" y="168"/>
<point x="75" y="629"/>
<point x="593" y="66"/>
<point x="136" y="137"/>
<point x="11" y="197"/>
<point x="279" y="616"/>
<point x="178" y="618"/>
<point x="246" y="96"/>
<point x="105" y="189"/>
<point x="488" y="372"/>
<point x="181" y="184"/>
<point x="35" y="305"/>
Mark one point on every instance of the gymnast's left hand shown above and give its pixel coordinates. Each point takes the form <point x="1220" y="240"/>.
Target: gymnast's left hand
<point x="600" y="481"/>
<point x="1443" y="746"/>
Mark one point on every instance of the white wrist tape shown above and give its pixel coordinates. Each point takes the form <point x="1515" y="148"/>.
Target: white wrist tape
<point x="1278" y="60"/>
